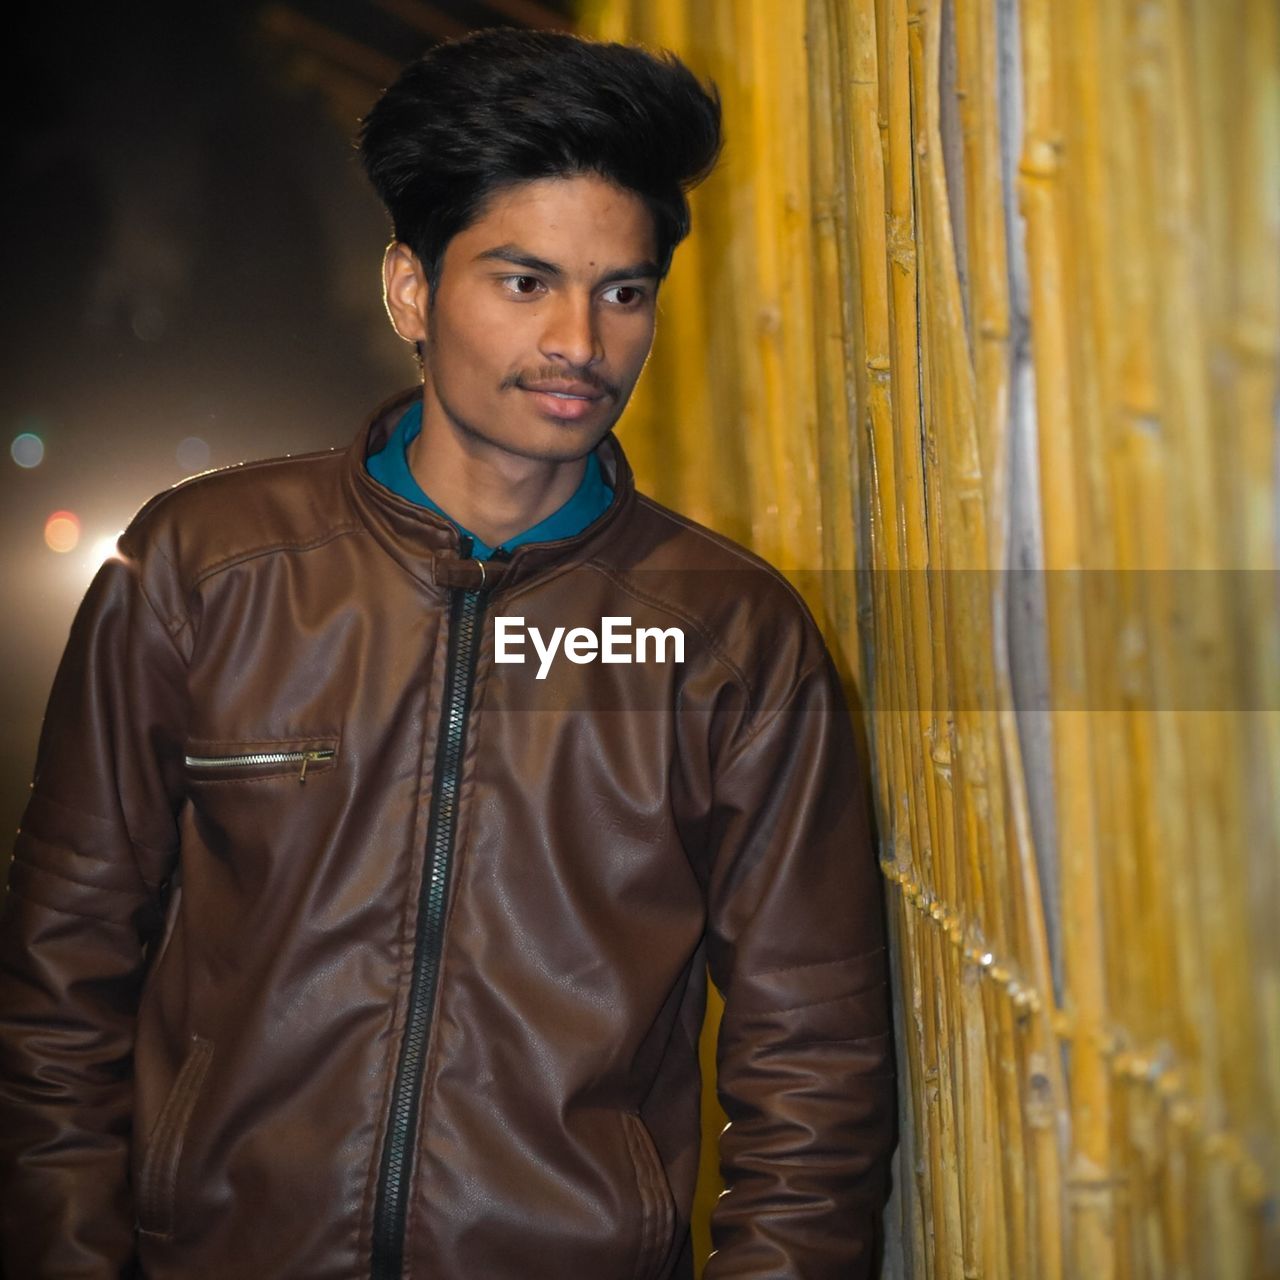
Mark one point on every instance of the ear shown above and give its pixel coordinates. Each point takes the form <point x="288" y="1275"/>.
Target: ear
<point x="405" y="292"/>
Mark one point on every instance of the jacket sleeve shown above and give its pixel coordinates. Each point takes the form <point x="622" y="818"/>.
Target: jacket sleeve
<point x="97" y="842"/>
<point x="796" y="947"/>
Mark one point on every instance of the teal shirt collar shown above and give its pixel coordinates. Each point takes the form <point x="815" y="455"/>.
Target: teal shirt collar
<point x="390" y="467"/>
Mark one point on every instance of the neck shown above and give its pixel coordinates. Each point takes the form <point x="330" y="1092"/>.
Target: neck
<point x="494" y="493"/>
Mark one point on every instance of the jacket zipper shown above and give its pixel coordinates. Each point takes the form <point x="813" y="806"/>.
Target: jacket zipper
<point x="391" y="1206"/>
<point x="263" y="758"/>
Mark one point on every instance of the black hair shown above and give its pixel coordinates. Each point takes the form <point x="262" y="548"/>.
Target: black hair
<point x="502" y="106"/>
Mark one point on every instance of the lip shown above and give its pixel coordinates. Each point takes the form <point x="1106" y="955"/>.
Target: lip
<point x="567" y="386"/>
<point x="568" y="402"/>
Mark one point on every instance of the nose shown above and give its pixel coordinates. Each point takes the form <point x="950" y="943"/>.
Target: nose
<point x="571" y="332"/>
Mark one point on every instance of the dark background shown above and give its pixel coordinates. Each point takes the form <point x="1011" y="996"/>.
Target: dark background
<point x="190" y="253"/>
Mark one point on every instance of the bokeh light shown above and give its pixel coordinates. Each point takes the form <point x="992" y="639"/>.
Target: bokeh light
<point x="62" y="531"/>
<point x="193" y="454"/>
<point x="103" y="549"/>
<point x="27" y="450"/>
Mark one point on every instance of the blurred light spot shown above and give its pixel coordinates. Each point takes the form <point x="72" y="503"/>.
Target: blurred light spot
<point x="103" y="549"/>
<point x="62" y="531"/>
<point x="27" y="449"/>
<point x="149" y="323"/>
<point x="193" y="454"/>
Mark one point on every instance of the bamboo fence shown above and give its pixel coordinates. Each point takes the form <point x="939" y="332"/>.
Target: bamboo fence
<point x="978" y="337"/>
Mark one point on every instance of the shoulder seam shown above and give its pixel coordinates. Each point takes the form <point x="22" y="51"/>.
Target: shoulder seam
<point x="249" y="464"/>
<point x="755" y="731"/>
<point x="200" y="574"/>
<point x="175" y="624"/>
<point x="252" y="464"/>
<point x="624" y="584"/>
<point x="252" y="553"/>
<point x="725" y="544"/>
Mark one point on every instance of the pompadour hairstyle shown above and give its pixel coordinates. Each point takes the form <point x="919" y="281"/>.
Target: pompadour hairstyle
<point x="503" y="106"/>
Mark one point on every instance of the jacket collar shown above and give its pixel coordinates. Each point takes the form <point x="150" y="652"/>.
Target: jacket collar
<point x="427" y="546"/>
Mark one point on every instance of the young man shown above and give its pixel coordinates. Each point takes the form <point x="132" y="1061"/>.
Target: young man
<point x="393" y="804"/>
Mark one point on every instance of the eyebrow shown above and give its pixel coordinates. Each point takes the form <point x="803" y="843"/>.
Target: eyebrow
<point x="513" y="254"/>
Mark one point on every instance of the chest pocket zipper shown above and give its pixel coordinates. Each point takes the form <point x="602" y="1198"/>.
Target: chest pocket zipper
<point x="264" y="759"/>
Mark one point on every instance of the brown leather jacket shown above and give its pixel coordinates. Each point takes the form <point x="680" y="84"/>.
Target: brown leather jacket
<point x="336" y="948"/>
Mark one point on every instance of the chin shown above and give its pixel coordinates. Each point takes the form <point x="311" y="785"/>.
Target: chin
<point x="568" y="448"/>
<point x="537" y="439"/>
<point x="553" y="442"/>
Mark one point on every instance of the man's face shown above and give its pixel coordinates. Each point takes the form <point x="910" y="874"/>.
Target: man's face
<point x="542" y="319"/>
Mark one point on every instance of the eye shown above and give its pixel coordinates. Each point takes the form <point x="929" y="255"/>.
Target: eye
<point x="632" y="295"/>
<point x="524" y="286"/>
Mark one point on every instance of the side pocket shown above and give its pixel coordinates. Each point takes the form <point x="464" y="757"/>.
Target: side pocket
<point x="157" y="1183"/>
<point x="658" y="1220"/>
<point x="172" y="905"/>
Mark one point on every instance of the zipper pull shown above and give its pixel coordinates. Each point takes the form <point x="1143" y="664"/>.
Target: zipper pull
<point x="307" y="757"/>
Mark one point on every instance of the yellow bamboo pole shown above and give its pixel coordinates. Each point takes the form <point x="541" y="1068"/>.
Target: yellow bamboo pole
<point x="1090" y="1201"/>
<point x="887" y="674"/>
<point x="832" y="268"/>
<point x="1030" y="1205"/>
<point x="947" y="416"/>
<point x="916" y="611"/>
<point x="1249" y="336"/>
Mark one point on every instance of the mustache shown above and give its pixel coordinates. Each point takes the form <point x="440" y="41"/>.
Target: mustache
<point x="553" y="373"/>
